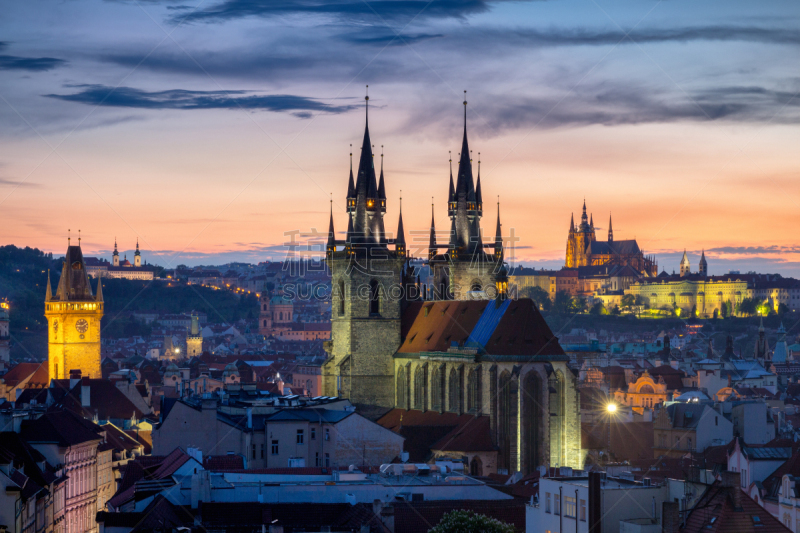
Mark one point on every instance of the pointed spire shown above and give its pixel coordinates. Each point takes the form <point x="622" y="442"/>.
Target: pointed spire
<point x="99" y="296"/>
<point x="331" y="234"/>
<point x="381" y="187"/>
<point x="432" y="244"/>
<point x="452" y="197"/>
<point x="478" y="194"/>
<point x="591" y="221"/>
<point x="584" y="218"/>
<point x="137" y="247"/>
<point x="400" y="240"/>
<point x="116" y="252"/>
<point x="610" y="230"/>
<point x="498" y="239"/>
<point x="572" y="223"/>
<point x="465" y="188"/>
<point x="48" y="295"/>
<point x="351" y="186"/>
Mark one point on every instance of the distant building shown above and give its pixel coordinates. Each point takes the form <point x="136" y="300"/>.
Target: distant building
<point x="100" y="268"/>
<point x="583" y="249"/>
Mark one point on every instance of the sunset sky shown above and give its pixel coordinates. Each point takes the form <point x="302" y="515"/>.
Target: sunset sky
<point x="211" y="129"/>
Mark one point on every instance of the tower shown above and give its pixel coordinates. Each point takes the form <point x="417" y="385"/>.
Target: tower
<point x="73" y="316"/>
<point x="367" y="277"/>
<point x="579" y="241"/>
<point x="265" y="313"/>
<point x="137" y="256"/>
<point x="115" y="255"/>
<point x="5" y="334"/>
<point x="194" y="340"/>
<point x="465" y="270"/>
<point x="703" y="267"/>
<point x="610" y="230"/>
<point x="686" y="268"/>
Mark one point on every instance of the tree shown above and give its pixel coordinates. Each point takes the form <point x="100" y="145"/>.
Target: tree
<point x="598" y="308"/>
<point x="782" y="309"/>
<point x="563" y="303"/>
<point x="470" y="522"/>
<point x="538" y="295"/>
<point x="628" y="301"/>
<point x="748" y="306"/>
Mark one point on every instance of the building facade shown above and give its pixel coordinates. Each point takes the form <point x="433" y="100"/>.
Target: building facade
<point x="583" y="248"/>
<point x="73" y="315"/>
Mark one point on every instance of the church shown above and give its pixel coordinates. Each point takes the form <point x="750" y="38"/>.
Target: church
<point x="583" y="248"/>
<point x="462" y="349"/>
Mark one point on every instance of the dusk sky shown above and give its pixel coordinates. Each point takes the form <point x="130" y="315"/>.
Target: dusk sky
<point x="209" y="129"/>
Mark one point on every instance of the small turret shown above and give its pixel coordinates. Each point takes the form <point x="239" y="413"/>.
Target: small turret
<point x="432" y="244"/>
<point x="351" y="187"/>
<point x="686" y="268"/>
<point x="137" y="255"/>
<point x="610" y="230"/>
<point x="498" y="239"/>
<point x="703" y="267"/>
<point x="400" y="241"/>
<point x="331" y="246"/>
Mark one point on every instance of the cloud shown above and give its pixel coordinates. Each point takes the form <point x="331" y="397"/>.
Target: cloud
<point x="389" y="39"/>
<point x="102" y="95"/>
<point x="610" y="104"/>
<point x="34" y="64"/>
<point x="375" y="10"/>
<point x="755" y="250"/>
<point x="5" y="182"/>
<point x="587" y="37"/>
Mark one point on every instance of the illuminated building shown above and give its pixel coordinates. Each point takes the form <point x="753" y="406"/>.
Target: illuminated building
<point x="73" y="316"/>
<point x="583" y="249"/>
<point x="468" y="352"/>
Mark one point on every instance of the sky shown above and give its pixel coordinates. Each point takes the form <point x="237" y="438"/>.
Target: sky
<point x="215" y="130"/>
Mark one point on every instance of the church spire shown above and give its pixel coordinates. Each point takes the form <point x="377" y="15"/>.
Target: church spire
<point x="451" y="198"/>
<point x="610" y="230"/>
<point x="116" y="252"/>
<point x="432" y="244"/>
<point x="368" y="210"/>
<point x="498" y="239"/>
<point x="584" y="218"/>
<point x="478" y="194"/>
<point x="591" y="221"/>
<point x="48" y="295"/>
<point x="400" y="240"/>
<point x="572" y="223"/>
<point x="465" y="220"/>
<point x="137" y="252"/>
<point x="99" y="296"/>
<point x="381" y="186"/>
<point x="351" y="187"/>
<point x="331" y="247"/>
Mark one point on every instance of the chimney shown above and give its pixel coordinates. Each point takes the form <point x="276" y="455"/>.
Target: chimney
<point x="670" y="517"/>
<point x="85" y="393"/>
<point x="595" y="503"/>
<point x="731" y="481"/>
<point x="74" y="377"/>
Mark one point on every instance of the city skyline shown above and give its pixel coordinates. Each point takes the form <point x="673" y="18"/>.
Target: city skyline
<point x="209" y="131"/>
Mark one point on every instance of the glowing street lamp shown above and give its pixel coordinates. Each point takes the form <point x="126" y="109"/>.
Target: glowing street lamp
<point x="611" y="408"/>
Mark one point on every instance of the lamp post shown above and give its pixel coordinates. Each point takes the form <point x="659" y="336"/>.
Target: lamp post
<point x="611" y="408"/>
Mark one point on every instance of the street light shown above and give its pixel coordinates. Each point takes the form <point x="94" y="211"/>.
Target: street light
<point x="611" y="408"/>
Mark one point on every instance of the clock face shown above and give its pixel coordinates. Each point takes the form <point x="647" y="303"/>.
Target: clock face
<point x="82" y="325"/>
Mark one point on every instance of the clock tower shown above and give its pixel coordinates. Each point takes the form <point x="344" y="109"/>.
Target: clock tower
<point x="73" y="317"/>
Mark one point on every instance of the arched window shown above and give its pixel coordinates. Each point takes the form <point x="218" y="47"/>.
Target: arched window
<point x="401" y="387"/>
<point x="473" y="391"/>
<point x="341" y="297"/>
<point x="453" y="392"/>
<point x="646" y="389"/>
<point x="436" y="389"/>
<point x="419" y="388"/>
<point x="374" y="298"/>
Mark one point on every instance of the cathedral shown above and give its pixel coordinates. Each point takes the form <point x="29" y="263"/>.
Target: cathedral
<point x="583" y="249"/>
<point x="73" y="316"/>
<point x="461" y="349"/>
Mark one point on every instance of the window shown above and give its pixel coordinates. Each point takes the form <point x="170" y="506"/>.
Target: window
<point x="313" y="433"/>
<point x="327" y="434"/>
<point x="569" y="506"/>
<point x="254" y="451"/>
<point x="327" y="459"/>
<point x="316" y="459"/>
<point x="262" y="451"/>
<point x="547" y="502"/>
<point x="300" y="436"/>
<point x="583" y="511"/>
<point x="556" y="504"/>
<point x="274" y="447"/>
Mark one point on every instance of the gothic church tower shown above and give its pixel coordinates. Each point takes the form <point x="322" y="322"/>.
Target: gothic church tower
<point x="73" y="316"/>
<point x="369" y="278"/>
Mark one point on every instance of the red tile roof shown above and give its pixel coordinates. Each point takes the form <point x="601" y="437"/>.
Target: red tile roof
<point x="715" y="512"/>
<point x="433" y="326"/>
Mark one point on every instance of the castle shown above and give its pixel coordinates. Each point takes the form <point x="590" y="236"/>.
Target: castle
<point x="583" y="248"/>
<point x="73" y="316"/>
<point x="466" y="349"/>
